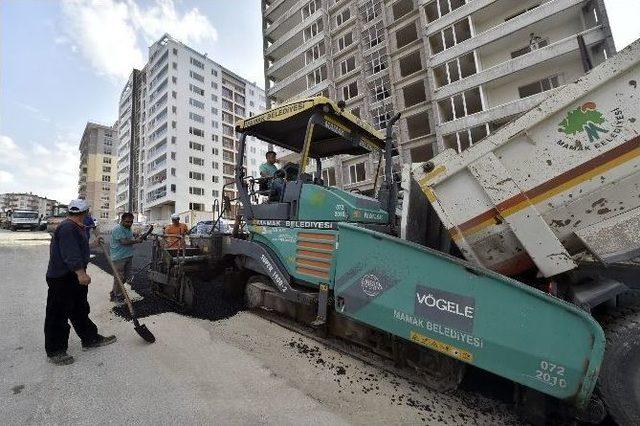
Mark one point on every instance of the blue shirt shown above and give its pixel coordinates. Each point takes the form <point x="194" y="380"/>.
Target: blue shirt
<point x="69" y="250"/>
<point x="120" y="251"/>
<point x="268" y="169"/>
<point x="89" y="223"/>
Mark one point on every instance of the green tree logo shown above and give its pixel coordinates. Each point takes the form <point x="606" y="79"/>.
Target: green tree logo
<point x="585" y="118"/>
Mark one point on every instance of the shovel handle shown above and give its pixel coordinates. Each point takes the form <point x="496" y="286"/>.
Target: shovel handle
<point x="115" y="274"/>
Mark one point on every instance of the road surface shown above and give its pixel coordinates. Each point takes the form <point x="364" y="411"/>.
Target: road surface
<point x="237" y="370"/>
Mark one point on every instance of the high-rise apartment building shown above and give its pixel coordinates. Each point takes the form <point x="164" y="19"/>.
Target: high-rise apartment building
<point x="178" y="143"/>
<point x="456" y="69"/>
<point x="97" y="171"/>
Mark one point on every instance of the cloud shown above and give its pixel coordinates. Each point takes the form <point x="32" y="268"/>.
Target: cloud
<point x="50" y="171"/>
<point x="5" y="177"/>
<point x="112" y="34"/>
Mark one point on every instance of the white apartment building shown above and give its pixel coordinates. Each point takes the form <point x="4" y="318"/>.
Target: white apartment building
<point x="178" y="143"/>
<point x="456" y="69"/>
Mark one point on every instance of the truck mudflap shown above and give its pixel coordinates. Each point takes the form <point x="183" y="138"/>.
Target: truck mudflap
<point x="469" y="313"/>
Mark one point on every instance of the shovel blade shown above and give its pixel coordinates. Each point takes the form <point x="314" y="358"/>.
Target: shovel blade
<point x="144" y="332"/>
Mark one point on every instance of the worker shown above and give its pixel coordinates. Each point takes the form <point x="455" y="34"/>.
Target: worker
<point x="68" y="283"/>
<point x="174" y="233"/>
<point x="269" y="168"/>
<point x="121" y="252"/>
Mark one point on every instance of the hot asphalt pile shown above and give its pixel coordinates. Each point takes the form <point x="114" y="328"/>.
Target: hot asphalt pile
<point x="213" y="303"/>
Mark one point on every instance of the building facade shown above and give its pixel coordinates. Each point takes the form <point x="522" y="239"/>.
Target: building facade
<point x="27" y="201"/>
<point x="97" y="171"/>
<point x="178" y="143"/>
<point x="456" y="69"/>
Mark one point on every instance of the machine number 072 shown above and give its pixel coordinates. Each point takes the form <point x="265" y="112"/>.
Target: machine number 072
<point x="552" y="374"/>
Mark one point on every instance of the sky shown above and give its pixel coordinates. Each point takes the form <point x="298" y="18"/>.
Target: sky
<point x="65" y="62"/>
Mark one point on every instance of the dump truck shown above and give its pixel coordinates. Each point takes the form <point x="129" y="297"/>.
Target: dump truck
<point x="430" y="299"/>
<point x="24" y="219"/>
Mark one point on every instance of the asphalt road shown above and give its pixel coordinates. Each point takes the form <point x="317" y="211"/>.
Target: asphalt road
<point x="240" y="369"/>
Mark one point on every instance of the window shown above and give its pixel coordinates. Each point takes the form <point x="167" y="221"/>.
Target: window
<point x="215" y="179"/>
<point x="196" y="160"/>
<point x="310" y="8"/>
<point x="196" y="175"/>
<point x="227" y="130"/>
<point x="350" y="90"/>
<point x="196" y="117"/>
<point x="357" y="173"/>
<point x="196" y="76"/>
<point x="377" y="61"/>
<point x="106" y="187"/>
<point x="227" y="156"/>
<point x="196" y="89"/>
<point x="347" y="65"/>
<point x="343" y="16"/>
<point x="438" y="8"/>
<point x="215" y="193"/>
<point x="196" y="103"/>
<point x="106" y="169"/>
<point x="197" y="63"/>
<point x="215" y="125"/>
<point x="543" y="85"/>
<point x="228" y="105"/>
<point x="214" y="138"/>
<point x="227" y="169"/>
<point x="214" y="111"/>
<point x="215" y="165"/>
<point x="197" y="146"/>
<point x="106" y="160"/>
<point x="345" y="40"/>
<point x="239" y="98"/>
<point x="198" y="207"/>
<point x="214" y="72"/>
<point x="106" y="178"/>
<point x="227" y="143"/>
<point x="239" y="110"/>
<point x="314" y="53"/>
<point x="375" y="34"/>
<point x="196" y="132"/>
<point x="329" y="176"/>
<point x="174" y="65"/>
<point x="312" y="30"/>
<point x="227" y="118"/>
<point x="227" y="93"/>
<point x="445" y="39"/>
<point x="173" y="171"/>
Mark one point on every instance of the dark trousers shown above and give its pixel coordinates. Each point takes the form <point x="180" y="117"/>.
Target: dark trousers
<point x="67" y="301"/>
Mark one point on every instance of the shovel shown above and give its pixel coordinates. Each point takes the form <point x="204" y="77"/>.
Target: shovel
<point x="141" y="329"/>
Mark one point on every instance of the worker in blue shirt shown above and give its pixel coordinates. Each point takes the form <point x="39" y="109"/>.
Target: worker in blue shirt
<point x="68" y="282"/>
<point x="122" y="242"/>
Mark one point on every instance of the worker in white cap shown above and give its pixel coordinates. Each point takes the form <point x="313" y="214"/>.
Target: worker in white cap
<point x="174" y="233"/>
<point x="68" y="283"/>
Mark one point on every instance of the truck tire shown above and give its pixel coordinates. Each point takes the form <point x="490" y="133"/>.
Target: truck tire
<point x="619" y="379"/>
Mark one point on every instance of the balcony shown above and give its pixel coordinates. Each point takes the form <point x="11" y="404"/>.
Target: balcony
<point x="512" y="66"/>
<point x="286" y="39"/>
<point x="512" y="108"/>
<point x="300" y="74"/>
<point x="291" y="59"/>
<point x="504" y="29"/>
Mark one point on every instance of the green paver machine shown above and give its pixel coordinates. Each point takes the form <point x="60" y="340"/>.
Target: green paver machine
<point x="332" y="259"/>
